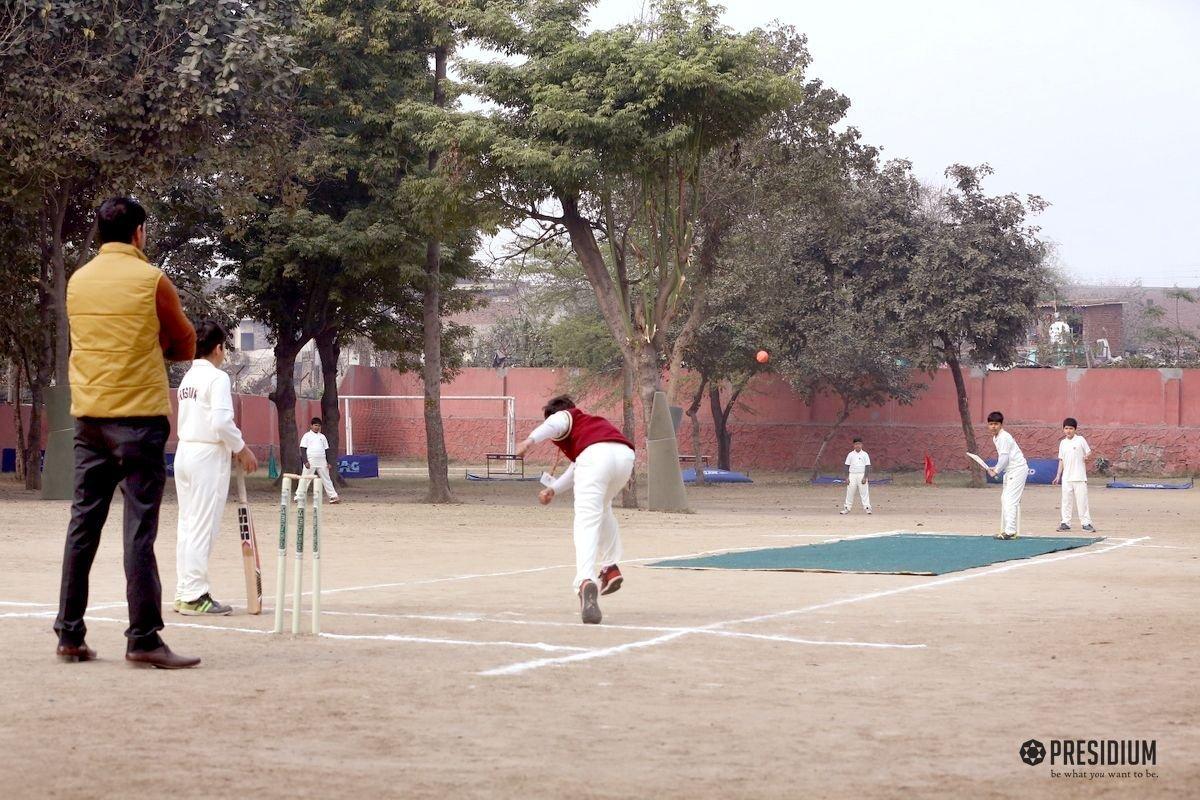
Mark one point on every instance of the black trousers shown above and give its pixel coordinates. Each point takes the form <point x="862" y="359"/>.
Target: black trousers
<point x="129" y="452"/>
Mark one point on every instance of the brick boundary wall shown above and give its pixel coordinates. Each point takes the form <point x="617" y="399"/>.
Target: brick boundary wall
<point x="1146" y="421"/>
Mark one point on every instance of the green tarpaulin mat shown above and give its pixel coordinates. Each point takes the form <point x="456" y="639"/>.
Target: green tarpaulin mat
<point x="900" y="554"/>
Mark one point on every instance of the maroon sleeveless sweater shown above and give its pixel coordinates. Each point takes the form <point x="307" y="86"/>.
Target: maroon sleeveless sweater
<point x="587" y="430"/>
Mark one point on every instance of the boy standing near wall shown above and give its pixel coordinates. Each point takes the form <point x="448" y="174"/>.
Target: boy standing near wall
<point x="207" y="438"/>
<point x="314" y="444"/>
<point x="858" y="463"/>
<point x="601" y="463"/>
<point x="1073" y="451"/>
<point x="1011" y="461"/>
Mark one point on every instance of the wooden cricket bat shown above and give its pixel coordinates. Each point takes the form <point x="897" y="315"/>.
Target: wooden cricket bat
<point x="250" y="561"/>
<point x="979" y="461"/>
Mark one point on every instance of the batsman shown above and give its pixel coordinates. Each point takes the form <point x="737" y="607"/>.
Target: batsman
<point x="207" y="437"/>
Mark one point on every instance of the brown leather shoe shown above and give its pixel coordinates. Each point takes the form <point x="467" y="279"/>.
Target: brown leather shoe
<point x="71" y="653"/>
<point x="161" y="658"/>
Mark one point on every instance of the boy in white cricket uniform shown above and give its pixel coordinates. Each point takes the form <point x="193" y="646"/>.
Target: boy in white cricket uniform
<point x="858" y="463"/>
<point x="1011" y="461"/>
<point x="314" y="444"/>
<point x="1073" y="451"/>
<point x="207" y="437"/>
<point x="601" y="463"/>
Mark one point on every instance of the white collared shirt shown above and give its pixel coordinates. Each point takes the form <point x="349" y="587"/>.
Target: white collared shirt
<point x="1005" y="443"/>
<point x="1072" y="453"/>
<point x="314" y="445"/>
<point x="858" y="461"/>
<point x="206" y="407"/>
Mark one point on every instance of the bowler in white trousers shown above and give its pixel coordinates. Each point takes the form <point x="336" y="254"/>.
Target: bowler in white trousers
<point x="601" y="463"/>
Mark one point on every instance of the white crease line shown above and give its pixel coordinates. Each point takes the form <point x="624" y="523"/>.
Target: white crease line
<point x="533" y="645"/>
<point x="514" y="669"/>
<point x="473" y="576"/>
<point x="441" y="580"/>
<point x="18" y="604"/>
<point x="644" y="628"/>
<point x="550" y="648"/>
<point x="391" y="637"/>
<point x="795" y="640"/>
<point x="185" y="625"/>
<point x="1163" y="547"/>
<point x="54" y="613"/>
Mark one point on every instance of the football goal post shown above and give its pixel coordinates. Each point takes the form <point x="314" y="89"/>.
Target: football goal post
<point x="372" y="414"/>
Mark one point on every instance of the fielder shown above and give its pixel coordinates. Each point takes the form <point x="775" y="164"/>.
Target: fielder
<point x="1073" y="451"/>
<point x="858" y="463"/>
<point x="315" y="445"/>
<point x="601" y="463"/>
<point x="207" y="437"/>
<point x="1011" y="461"/>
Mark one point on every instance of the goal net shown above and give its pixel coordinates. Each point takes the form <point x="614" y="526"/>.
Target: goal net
<point x="394" y="425"/>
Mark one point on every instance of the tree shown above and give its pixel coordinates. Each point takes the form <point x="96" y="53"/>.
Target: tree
<point x="341" y="247"/>
<point x="602" y="136"/>
<point x="1177" y="345"/>
<point x="971" y="291"/>
<point x="104" y="97"/>
<point x="852" y="357"/>
<point x="22" y="312"/>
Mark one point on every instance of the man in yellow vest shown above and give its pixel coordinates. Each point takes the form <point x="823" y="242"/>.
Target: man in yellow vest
<point x="125" y="319"/>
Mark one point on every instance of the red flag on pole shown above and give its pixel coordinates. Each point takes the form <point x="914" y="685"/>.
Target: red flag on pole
<point x="930" y="470"/>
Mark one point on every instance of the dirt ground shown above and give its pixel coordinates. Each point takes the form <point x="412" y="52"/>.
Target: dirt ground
<point x="474" y="678"/>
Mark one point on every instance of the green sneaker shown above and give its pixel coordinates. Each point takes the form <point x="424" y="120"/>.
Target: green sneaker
<point x="178" y="605"/>
<point x="204" y="606"/>
<point x="1005" y="536"/>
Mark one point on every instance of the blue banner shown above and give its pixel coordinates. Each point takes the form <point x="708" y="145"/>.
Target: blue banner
<point x="1041" y="470"/>
<point x="358" y="466"/>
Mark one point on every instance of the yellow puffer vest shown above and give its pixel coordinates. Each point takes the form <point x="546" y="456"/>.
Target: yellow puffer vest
<point x="117" y="367"/>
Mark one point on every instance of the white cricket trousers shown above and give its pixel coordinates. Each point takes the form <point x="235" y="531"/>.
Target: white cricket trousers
<point x="1074" y="493"/>
<point x="854" y="485"/>
<point x="202" y="485"/>
<point x="1010" y="497"/>
<point x="601" y="472"/>
<point x="321" y="469"/>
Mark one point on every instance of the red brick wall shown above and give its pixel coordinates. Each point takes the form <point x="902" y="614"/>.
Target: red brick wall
<point x="1144" y="420"/>
<point x="1148" y="420"/>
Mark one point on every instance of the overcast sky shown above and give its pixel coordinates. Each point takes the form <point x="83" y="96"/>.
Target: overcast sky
<point x="1095" y="105"/>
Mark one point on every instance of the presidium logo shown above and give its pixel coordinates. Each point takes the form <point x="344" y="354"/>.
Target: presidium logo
<point x="1092" y="752"/>
<point x="1032" y="752"/>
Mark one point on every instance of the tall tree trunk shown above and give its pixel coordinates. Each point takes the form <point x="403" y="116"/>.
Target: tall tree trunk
<point x="694" y="412"/>
<point x="720" y="426"/>
<point x="56" y="207"/>
<point x="284" y="398"/>
<point x="39" y="372"/>
<point x="964" y="413"/>
<point x="32" y="446"/>
<point x="435" y="433"/>
<point x="330" y="350"/>
<point x="649" y="377"/>
<point x="845" y="412"/>
<point x="14" y="397"/>
<point x="629" y="495"/>
<point x="714" y="226"/>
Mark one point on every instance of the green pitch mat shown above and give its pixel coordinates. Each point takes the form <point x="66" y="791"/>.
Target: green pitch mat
<point x="900" y="554"/>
